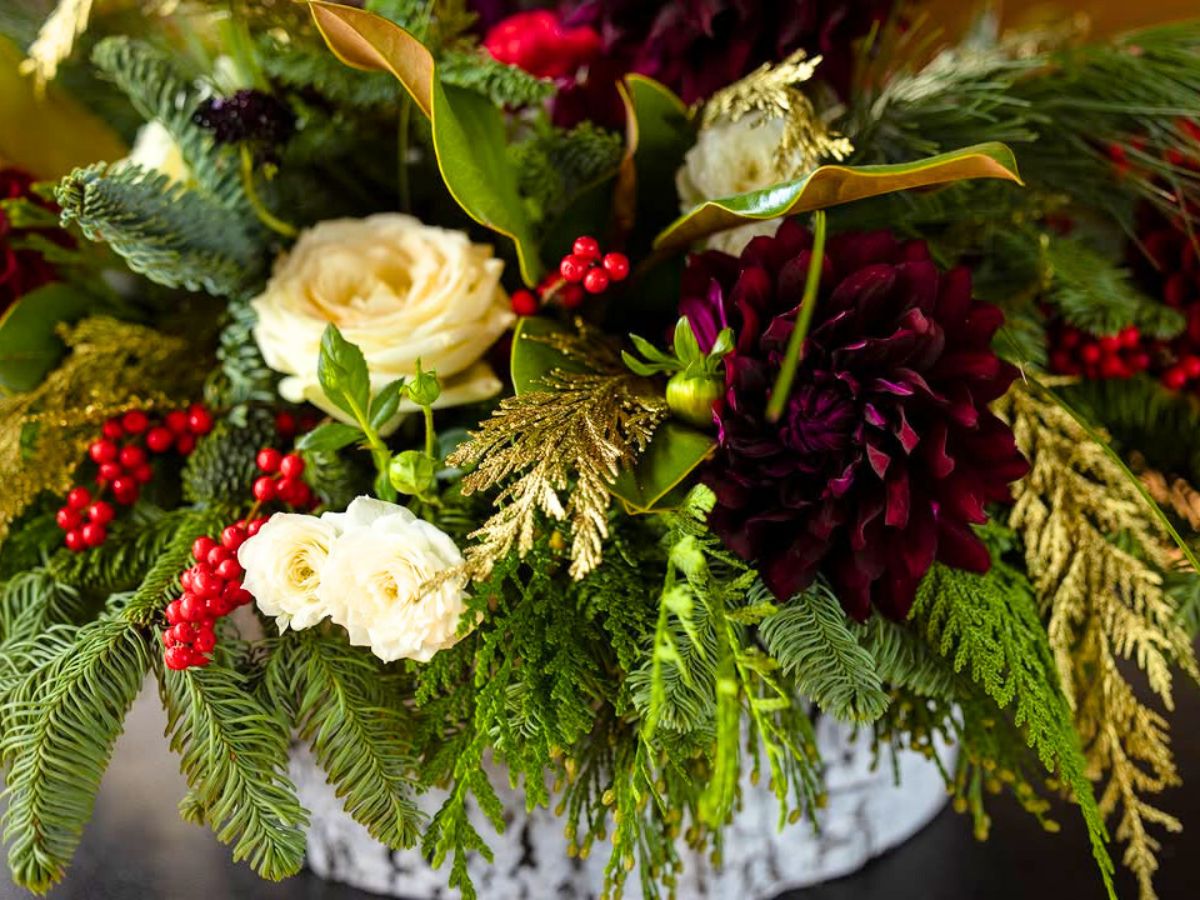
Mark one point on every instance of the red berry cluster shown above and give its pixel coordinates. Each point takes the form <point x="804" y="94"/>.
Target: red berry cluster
<point x="212" y="588"/>
<point x="1120" y="355"/>
<point x="123" y="466"/>
<point x="586" y="270"/>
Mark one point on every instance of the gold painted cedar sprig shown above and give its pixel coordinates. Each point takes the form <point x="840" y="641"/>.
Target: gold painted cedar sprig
<point x="1095" y="553"/>
<point x="573" y="437"/>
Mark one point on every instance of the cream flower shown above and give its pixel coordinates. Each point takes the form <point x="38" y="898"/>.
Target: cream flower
<point x="372" y="582"/>
<point x="397" y="288"/>
<point x="156" y="151"/>
<point x="732" y="158"/>
<point x="284" y="564"/>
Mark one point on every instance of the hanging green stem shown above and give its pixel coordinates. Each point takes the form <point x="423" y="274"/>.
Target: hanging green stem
<point x="264" y="215"/>
<point x="795" y="347"/>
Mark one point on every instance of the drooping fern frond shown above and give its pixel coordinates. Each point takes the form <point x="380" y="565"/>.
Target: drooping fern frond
<point x="811" y="638"/>
<point x="167" y="232"/>
<point x="60" y="725"/>
<point x="352" y="716"/>
<point x="234" y="754"/>
<point x="988" y="626"/>
<point x="1095" y="554"/>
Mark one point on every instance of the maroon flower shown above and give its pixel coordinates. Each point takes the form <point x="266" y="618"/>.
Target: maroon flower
<point x="21" y="268"/>
<point x="886" y="453"/>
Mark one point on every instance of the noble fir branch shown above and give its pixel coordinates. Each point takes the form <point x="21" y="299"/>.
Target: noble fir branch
<point x="164" y="230"/>
<point x="33" y="601"/>
<point x="44" y="432"/>
<point x="906" y="662"/>
<point x="223" y="462"/>
<point x="234" y="754"/>
<point x="812" y="640"/>
<point x="243" y="376"/>
<point x="60" y="724"/>
<point x="309" y="66"/>
<point x="1095" y="554"/>
<point x="351" y="715"/>
<point x="988" y="626"/>
<point x="574" y="435"/>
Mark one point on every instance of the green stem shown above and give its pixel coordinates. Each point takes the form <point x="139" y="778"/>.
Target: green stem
<point x="795" y="347"/>
<point x="380" y="454"/>
<point x="430" y="434"/>
<point x="264" y="215"/>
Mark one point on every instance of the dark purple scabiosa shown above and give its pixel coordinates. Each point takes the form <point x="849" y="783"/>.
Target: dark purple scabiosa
<point x="886" y="453"/>
<point x="258" y="119"/>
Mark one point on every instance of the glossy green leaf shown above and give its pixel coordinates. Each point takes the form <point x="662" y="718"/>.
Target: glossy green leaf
<point x="342" y="372"/>
<point x="329" y="437"/>
<point x="469" y="137"/>
<point x="531" y="360"/>
<point x="832" y="185"/>
<point x="386" y="403"/>
<point x="29" y="347"/>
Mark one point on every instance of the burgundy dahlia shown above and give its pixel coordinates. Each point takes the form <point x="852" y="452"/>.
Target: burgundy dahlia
<point x="886" y="452"/>
<point x="22" y="268"/>
<point x="252" y="117"/>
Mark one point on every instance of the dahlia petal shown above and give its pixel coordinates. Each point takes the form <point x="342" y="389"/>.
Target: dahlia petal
<point x="933" y="451"/>
<point x="878" y="459"/>
<point x="897" y="499"/>
<point x="960" y="548"/>
<point x="905" y="433"/>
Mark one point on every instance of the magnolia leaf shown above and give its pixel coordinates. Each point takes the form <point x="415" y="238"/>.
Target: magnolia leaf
<point x="833" y="185"/>
<point x="29" y="346"/>
<point x="469" y="137"/>
<point x="531" y="359"/>
<point x="673" y="453"/>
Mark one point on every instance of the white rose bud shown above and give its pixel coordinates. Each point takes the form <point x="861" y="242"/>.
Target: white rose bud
<point x="284" y="564"/>
<point x="374" y="582"/>
<point x="401" y="290"/>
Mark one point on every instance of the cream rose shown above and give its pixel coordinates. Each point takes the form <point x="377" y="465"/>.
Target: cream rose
<point x="284" y="564"/>
<point x="373" y="580"/>
<point x="399" y="289"/>
<point x="732" y="158"/>
<point x="156" y="151"/>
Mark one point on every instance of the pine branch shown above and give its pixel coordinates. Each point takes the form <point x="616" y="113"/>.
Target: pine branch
<point x="222" y="467"/>
<point x="813" y="642"/>
<point x="503" y="84"/>
<point x="351" y="713"/>
<point x="167" y="232"/>
<point x="556" y="165"/>
<point x="903" y="660"/>
<point x="234" y="754"/>
<point x="32" y="602"/>
<point x="61" y="724"/>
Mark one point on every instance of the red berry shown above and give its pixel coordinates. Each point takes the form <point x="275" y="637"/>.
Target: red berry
<point x="596" y="281"/>
<point x="160" y="439"/>
<point x="571" y="296"/>
<point x="617" y="266"/>
<point x="1114" y="367"/>
<point x="177" y="421"/>
<point x="68" y="518"/>
<point x="308" y="421"/>
<point x="221" y="605"/>
<point x="143" y="474"/>
<point x="132" y="456"/>
<point x="1129" y="336"/>
<point x="185" y="580"/>
<point x="587" y="248"/>
<point x="185" y="444"/>
<point x="1110" y="344"/>
<point x="177" y="658"/>
<point x="102" y="451"/>
<point x="205" y="582"/>
<point x="198" y="660"/>
<point x="191" y="608"/>
<point x="233" y="537"/>
<point x="1090" y="354"/>
<point x="285" y="424"/>
<point x="1140" y="361"/>
<point x="1191" y="366"/>
<point x="204" y="642"/>
<point x="93" y="534"/>
<point x="573" y="268"/>
<point x="229" y="570"/>
<point x="291" y="466"/>
<point x="125" y="490"/>
<point x="288" y="490"/>
<point x="173" y="613"/>
<point x="201" y="547"/>
<point x="183" y="633"/>
<point x="109" y="471"/>
<point x="217" y="555"/>
<point x="167" y="640"/>
<point x="200" y="420"/>
<point x="101" y="512"/>
<point x="241" y="597"/>
<point x="74" y="540"/>
<point x="255" y="527"/>
<point x="524" y="303"/>
<point x="135" y="421"/>
<point x="1173" y="379"/>
<point x="268" y="460"/>
<point x="264" y="489"/>
<point x="112" y="430"/>
<point x="79" y="497"/>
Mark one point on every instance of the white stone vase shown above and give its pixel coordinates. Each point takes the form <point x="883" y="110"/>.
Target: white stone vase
<point x="867" y="814"/>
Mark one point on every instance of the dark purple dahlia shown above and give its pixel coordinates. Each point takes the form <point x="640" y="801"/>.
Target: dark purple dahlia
<point x="886" y="453"/>
<point x="248" y="116"/>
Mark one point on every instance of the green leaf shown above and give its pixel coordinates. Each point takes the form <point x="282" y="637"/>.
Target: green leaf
<point x="29" y="347"/>
<point x="385" y="404"/>
<point x="329" y="437"/>
<point x="836" y="184"/>
<point x="469" y="136"/>
<point x="530" y="360"/>
<point x="672" y="454"/>
<point x="687" y="348"/>
<point x="342" y="372"/>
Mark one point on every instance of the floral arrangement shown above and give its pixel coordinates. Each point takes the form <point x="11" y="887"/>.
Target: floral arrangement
<point x="604" y="389"/>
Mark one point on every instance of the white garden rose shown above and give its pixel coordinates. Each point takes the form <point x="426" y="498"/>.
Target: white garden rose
<point x="284" y="564"/>
<point x="373" y="582"/>
<point x="401" y="290"/>
<point x="732" y="158"/>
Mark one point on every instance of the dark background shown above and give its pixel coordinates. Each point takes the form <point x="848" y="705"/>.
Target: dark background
<point x="137" y="846"/>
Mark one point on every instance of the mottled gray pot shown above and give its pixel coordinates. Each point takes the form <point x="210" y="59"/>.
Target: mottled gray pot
<point x="867" y="814"/>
